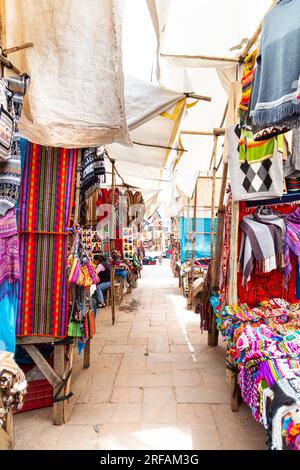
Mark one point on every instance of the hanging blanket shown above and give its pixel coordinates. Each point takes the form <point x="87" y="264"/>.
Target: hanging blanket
<point x="292" y="240"/>
<point x="9" y="249"/>
<point x="262" y="243"/>
<point x="275" y="99"/>
<point x="45" y="209"/>
<point x="257" y="180"/>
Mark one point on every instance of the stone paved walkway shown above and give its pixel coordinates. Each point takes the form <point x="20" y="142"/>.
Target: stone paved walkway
<point x="153" y="383"/>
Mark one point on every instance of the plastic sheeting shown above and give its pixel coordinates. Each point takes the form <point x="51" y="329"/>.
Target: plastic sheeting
<point x="76" y="95"/>
<point x="202" y="244"/>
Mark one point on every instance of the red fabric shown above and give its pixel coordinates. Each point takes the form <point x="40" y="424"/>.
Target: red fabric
<point x="265" y="286"/>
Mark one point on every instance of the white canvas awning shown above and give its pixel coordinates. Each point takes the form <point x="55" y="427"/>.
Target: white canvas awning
<point x="153" y="114"/>
<point x="76" y="94"/>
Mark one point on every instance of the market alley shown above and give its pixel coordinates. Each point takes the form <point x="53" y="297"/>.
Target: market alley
<point x="153" y="383"/>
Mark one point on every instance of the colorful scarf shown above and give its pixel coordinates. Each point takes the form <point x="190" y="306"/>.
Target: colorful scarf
<point x="247" y="83"/>
<point x="261" y="243"/>
<point x="292" y="240"/>
<point x="9" y="249"/>
<point x="46" y="200"/>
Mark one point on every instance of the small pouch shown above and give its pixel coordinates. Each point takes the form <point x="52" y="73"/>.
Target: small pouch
<point x="89" y="326"/>
<point x="6" y="133"/>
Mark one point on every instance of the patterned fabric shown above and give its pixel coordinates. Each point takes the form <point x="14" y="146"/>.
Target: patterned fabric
<point x="268" y="285"/>
<point x="45" y="209"/>
<point x="262" y="243"/>
<point x="251" y="151"/>
<point x="47" y="189"/>
<point x="247" y="82"/>
<point x="256" y="180"/>
<point x="292" y="241"/>
<point x="92" y="171"/>
<point x="9" y="249"/>
<point x="12" y="90"/>
<point x="223" y="282"/>
<point x="264" y="344"/>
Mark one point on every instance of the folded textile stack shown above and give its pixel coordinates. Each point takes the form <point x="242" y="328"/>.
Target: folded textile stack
<point x="265" y="344"/>
<point x="293" y="184"/>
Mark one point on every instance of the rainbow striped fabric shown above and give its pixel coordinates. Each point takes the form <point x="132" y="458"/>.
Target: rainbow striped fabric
<point x="46" y="199"/>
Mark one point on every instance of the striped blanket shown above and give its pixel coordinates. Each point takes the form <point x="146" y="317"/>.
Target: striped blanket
<point x="46" y="200"/>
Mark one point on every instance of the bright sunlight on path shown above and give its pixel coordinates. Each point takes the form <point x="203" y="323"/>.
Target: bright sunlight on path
<point x="153" y="383"/>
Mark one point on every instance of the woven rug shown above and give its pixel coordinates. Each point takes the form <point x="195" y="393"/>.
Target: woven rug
<point x="46" y="199"/>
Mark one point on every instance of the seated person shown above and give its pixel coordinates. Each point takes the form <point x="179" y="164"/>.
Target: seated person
<point x="103" y="271"/>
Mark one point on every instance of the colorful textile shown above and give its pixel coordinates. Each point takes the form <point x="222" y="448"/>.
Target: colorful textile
<point x="46" y="199"/>
<point x="292" y="241"/>
<point x="9" y="249"/>
<point x="256" y="180"/>
<point x="277" y="101"/>
<point x="47" y="189"/>
<point x="268" y="285"/>
<point x="247" y="82"/>
<point x="264" y="343"/>
<point x="12" y="91"/>
<point x="223" y="280"/>
<point x="92" y="171"/>
<point x="261" y="243"/>
<point x="8" y="315"/>
<point x="252" y="151"/>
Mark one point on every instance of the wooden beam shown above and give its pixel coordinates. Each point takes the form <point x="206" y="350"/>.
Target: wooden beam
<point x="59" y="370"/>
<point x="213" y="197"/>
<point x="233" y="257"/>
<point x="87" y="355"/>
<point x="23" y="340"/>
<point x="43" y="365"/>
<point x="216" y="131"/>
<point x="256" y="35"/>
<point x="198" y="97"/>
<point x="17" y="48"/>
<point x="112" y="246"/>
<point x="233" y="60"/>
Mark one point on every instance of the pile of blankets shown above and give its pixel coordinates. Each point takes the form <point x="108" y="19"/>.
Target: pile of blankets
<point x="264" y="343"/>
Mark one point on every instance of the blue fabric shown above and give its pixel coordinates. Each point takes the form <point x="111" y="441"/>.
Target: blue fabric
<point x="202" y="245"/>
<point x="215" y="302"/>
<point x="99" y="291"/>
<point x="121" y="272"/>
<point x="8" y="315"/>
<point x="273" y="101"/>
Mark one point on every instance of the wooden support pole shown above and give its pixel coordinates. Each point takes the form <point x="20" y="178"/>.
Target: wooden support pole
<point x="51" y="375"/>
<point x="233" y="297"/>
<point x="255" y="36"/>
<point x="17" y="48"/>
<point x="87" y="355"/>
<point x="216" y="131"/>
<point x="112" y="246"/>
<point x="59" y="369"/>
<point x="198" y="97"/>
<point x="192" y="272"/>
<point x="213" y="196"/>
<point x="233" y="60"/>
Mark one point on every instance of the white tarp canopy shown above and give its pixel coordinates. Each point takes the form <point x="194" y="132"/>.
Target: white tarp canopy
<point x="153" y="115"/>
<point x="202" y="28"/>
<point x="76" y="94"/>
